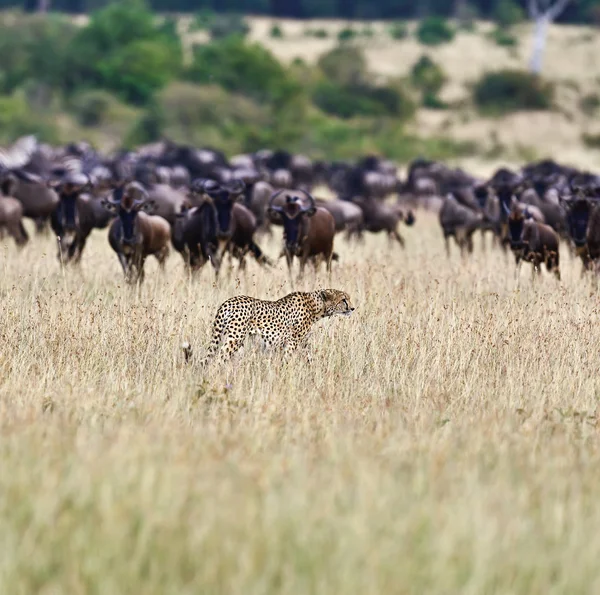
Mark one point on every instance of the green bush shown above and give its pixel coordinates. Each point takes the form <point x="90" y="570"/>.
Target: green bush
<point x="361" y="100"/>
<point x="508" y="13"/>
<point x="203" y="20"/>
<point x="589" y="104"/>
<point x="125" y="51"/>
<point x="97" y="108"/>
<point x="503" y="38"/>
<point x="592" y="141"/>
<point x="506" y="91"/>
<point x="227" y="25"/>
<point x="276" y="31"/>
<point x="346" y="34"/>
<point x="427" y="76"/>
<point x="344" y="65"/>
<point x="241" y="67"/>
<point x="34" y="47"/>
<point x="398" y="30"/>
<point x="368" y="31"/>
<point x="17" y="119"/>
<point x="316" y="33"/>
<point x="434" y="31"/>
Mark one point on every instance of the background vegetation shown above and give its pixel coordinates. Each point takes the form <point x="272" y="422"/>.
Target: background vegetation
<point x="124" y="75"/>
<point x="502" y="10"/>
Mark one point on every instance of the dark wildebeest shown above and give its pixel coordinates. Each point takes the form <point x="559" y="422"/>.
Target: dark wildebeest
<point x="583" y="220"/>
<point x="308" y="231"/>
<point x="346" y="214"/>
<point x="195" y="236"/>
<point x="460" y="222"/>
<point x="76" y="215"/>
<point x="38" y="200"/>
<point x="532" y="241"/>
<point x="236" y="225"/>
<point x="11" y="214"/>
<point x="134" y="235"/>
<point x="378" y="216"/>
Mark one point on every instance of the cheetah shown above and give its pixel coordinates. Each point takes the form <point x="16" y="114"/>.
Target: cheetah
<point x="284" y="323"/>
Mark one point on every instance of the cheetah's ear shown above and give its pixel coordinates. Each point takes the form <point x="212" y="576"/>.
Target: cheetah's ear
<point x="324" y="294"/>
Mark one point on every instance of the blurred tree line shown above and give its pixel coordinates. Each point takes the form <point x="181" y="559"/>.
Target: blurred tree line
<point x="577" y="12"/>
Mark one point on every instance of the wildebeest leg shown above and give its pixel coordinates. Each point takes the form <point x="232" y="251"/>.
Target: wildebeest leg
<point x="483" y="247"/>
<point x="161" y="256"/>
<point x="18" y="233"/>
<point x="552" y="264"/>
<point x="289" y="258"/>
<point x="447" y="244"/>
<point x="41" y="226"/>
<point x="398" y="237"/>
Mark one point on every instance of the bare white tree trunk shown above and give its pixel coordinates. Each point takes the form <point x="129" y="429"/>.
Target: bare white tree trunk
<point x="539" y="45"/>
<point x="43" y="6"/>
<point x="543" y="12"/>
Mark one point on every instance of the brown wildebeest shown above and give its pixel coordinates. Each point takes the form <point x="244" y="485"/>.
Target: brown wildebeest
<point x="532" y="241"/>
<point x="308" y="231"/>
<point x="134" y="235"/>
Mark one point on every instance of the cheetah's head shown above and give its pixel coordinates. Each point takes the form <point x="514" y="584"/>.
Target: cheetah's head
<point x="335" y="302"/>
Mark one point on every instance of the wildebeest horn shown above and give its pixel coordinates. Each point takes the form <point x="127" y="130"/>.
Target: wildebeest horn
<point x="137" y="192"/>
<point x="273" y="197"/>
<point x="235" y="186"/>
<point x="310" y="198"/>
<point x="209" y="186"/>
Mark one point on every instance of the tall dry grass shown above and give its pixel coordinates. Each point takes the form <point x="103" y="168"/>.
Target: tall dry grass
<point x="444" y="439"/>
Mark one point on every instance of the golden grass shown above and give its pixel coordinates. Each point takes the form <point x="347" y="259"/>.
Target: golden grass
<point x="444" y="439"/>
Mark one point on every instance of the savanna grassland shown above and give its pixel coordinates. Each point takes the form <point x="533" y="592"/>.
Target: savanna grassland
<point x="444" y="439"/>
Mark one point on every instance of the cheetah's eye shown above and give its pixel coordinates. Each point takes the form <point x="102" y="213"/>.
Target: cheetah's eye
<point x="345" y="302"/>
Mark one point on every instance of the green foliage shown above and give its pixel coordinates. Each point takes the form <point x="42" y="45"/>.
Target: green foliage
<point x="18" y="119"/>
<point x="592" y="141"/>
<point x="589" y="104"/>
<point x="508" y="13"/>
<point x="345" y="65"/>
<point x="434" y="31"/>
<point x="503" y="38"/>
<point x="398" y="30"/>
<point x="316" y="33"/>
<point x="276" y="32"/>
<point x="427" y="76"/>
<point x="124" y="50"/>
<point x="227" y="25"/>
<point x="33" y="47"/>
<point x="506" y="91"/>
<point x="346" y="34"/>
<point x="241" y="67"/>
<point x="203" y="20"/>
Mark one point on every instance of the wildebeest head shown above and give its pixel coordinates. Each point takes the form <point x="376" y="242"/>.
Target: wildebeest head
<point x="516" y="225"/>
<point x="481" y="193"/>
<point x="128" y="200"/>
<point x="292" y="215"/>
<point x="69" y="189"/>
<point x="223" y="196"/>
<point x="578" y="217"/>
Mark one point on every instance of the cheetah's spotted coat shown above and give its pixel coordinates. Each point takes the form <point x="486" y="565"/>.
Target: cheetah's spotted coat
<point x="284" y="323"/>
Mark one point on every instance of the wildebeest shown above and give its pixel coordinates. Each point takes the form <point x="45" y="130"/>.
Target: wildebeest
<point x="38" y="200"/>
<point x="134" y="235"/>
<point x="11" y="214"/>
<point x="308" y="231"/>
<point x="378" y="216"/>
<point x="236" y="225"/>
<point x="76" y="215"/>
<point x="194" y="236"/>
<point x="583" y="220"/>
<point x="460" y="222"/>
<point x="532" y="241"/>
<point x="347" y="215"/>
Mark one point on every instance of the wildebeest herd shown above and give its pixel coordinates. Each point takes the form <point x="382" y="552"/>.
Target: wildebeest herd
<point x="208" y="207"/>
